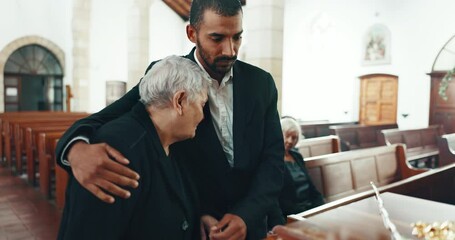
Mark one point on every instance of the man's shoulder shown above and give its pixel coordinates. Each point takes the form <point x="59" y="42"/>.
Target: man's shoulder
<point x="247" y="67"/>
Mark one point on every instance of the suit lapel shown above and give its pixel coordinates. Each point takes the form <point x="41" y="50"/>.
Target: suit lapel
<point x="208" y="142"/>
<point x="166" y="167"/>
<point x="242" y="106"/>
<point x="171" y="177"/>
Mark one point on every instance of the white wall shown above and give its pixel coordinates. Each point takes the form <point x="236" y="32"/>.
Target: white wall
<point x="167" y="32"/>
<point x="323" y="47"/>
<point x="108" y="48"/>
<point x="49" y="19"/>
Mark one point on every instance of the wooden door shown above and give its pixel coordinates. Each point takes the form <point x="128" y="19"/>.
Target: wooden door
<point x="378" y="99"/>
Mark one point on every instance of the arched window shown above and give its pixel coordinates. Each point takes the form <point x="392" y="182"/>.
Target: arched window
<point x="33" y="80"/>
<point x="442" y="98"/>
<point x="446" y="57"/>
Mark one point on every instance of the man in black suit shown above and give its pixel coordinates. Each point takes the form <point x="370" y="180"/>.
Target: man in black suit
<point x="237" y="154"/>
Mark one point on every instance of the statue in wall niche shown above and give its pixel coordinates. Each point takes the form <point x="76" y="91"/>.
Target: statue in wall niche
<point x="375" y="48"/>
<point x="377" y="45"/>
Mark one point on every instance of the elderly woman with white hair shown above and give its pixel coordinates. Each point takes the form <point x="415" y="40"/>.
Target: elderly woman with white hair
<point x="164" y="205"/>
<point x="298" y="193"/>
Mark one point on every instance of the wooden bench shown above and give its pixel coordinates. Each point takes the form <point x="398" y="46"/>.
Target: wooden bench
<point x="446" y="146"/>
<point x="359" y="136"/>
<point x="421" y="143"/>
<point x="9" y="126"/>
<point x="318" y="146"/>
<point x="5" y="116"/>
<point x="20" y="136"/>
<point x="7" y="121"/>
<point x="31" y="155"/>
<point x="319" y="129"/>
<point x="46" y="160"/>
<point x="61" y="180"/>
<point x="441" y="180"/>
<point x="343" y="174"/>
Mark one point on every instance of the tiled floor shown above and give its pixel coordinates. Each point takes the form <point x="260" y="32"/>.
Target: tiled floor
<point x="24" y="213"/>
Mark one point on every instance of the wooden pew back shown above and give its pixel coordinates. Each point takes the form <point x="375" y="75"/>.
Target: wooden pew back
<point x="441" y="180"/>
<point x="9" y="126"/>
<point x="319" y="129"/>
<point x="61" y="180"/>
<point x="5" y="118"/>
<point x="413" y="138"/>
<point x="20" y="135"/>
<point x="359" y="136"/>
<point x="342" y="174"/>
<point x="421" y="143"/>
<point x="446" y="146"/>
<point x="318" y="146"/>
<point x="31" y="143"/>
<point x="46" y="163"/>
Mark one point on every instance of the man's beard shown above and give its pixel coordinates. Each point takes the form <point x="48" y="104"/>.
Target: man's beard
<point x="213" y="67"/>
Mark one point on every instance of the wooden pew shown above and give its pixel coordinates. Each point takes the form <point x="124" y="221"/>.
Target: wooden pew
<point x="359" y="136"/>
<point x="6" y="115"/>
<point x="421" y="143"/>
<point x="441" y="180"/>
<point x="20" y="135"/>
<point x="343" y="174"/>
<point x="46" y="163"/>
<point x="318" y="146"/>
<point x="31" y="136"/>
<point x="61" y="181"/>
<point x="446" y="146"/>
<point x="6" y="118"/>
<point x="319" y="129"/>
<point x="8" y="127"/>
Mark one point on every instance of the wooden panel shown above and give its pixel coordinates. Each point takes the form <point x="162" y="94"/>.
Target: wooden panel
<point x="441" y="111"/>
<point x="412" y="139"/>
<point x="341" y="183"/>
<point x="388" y="169"/>
<point x="364" y="171"/>
<point x="378" y="99"/>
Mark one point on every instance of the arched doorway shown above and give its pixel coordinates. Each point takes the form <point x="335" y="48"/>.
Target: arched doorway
<point x="33" y="80"/>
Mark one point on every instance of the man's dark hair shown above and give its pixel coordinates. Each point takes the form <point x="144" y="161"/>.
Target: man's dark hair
<point x="226" y="8"/>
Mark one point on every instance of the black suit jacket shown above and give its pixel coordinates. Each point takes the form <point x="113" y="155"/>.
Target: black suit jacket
<point x="251" y="187"/>
<point x="162" y="207"/>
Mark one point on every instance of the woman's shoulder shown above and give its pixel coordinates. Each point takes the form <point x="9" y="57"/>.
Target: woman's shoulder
<point x="296" y="154"/>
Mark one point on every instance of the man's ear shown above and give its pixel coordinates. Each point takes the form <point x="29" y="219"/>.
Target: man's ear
<point x="177" y="101"/>
<point x="191" y="33"/>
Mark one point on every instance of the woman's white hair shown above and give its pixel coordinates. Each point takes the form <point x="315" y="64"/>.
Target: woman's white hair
<point x="168" y="76"/>
<point x="289" y="124"/>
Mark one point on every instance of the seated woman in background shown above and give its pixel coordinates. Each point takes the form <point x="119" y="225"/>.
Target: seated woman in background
<point x="163" y="206"/>
<point x="298" y="193"/>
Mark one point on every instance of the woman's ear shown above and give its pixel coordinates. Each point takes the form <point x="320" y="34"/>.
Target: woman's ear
<point x="177" y="101"/>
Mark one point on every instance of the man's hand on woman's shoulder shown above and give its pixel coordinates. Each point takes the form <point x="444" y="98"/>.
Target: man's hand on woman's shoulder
<point x="101" y="170"/>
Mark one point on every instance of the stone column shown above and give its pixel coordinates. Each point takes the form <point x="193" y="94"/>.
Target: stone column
<point x="81" y="54"/>
<point x="138" y="40"/>
<point x="263" y="23"/>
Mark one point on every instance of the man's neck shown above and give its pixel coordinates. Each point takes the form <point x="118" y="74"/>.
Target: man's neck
<point x="216" y="76"/>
